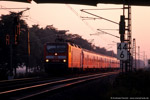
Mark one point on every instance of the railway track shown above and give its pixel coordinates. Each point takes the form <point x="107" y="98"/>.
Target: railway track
<point x="18" y="83"/>
<point x="36" y="90"/>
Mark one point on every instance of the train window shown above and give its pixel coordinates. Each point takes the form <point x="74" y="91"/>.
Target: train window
<point x="56" y="48"/>
<point x="61" y="46"/>
<point x="51" y="48"/>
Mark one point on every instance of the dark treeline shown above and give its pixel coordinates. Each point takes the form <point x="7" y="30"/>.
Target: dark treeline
<point x="38" y="37"/>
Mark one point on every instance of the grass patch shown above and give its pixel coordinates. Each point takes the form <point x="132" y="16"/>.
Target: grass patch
<point x="131" y="84"/>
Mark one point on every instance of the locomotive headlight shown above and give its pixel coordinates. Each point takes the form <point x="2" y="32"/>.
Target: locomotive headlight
<point x="56" y="54"/>
<point x="47" y="60"/>
<point x="64" y="60"/>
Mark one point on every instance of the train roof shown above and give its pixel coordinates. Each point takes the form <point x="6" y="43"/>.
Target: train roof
<point x="72" y="44"/>
<point x="98" y="53"/>
<point x="56" y="43"/>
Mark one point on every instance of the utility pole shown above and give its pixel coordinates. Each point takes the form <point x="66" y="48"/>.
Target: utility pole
<point x="138" y="56"/>
<point x="144" y="58"/>
<point x="146" y="61"/>
<point x="10" y="76"/>
<point x="27" y="67"/>
<point x="14" y="38"/>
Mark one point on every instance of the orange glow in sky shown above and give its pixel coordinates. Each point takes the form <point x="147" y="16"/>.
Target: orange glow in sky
<point x="67" y="17"/>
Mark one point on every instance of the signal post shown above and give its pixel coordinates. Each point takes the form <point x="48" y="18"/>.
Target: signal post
<point x="124" y="48"/>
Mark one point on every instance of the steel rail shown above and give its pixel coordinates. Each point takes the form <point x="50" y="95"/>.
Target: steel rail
<point x="22" y="79"/>
<point x="26" y="83"/>
<point x="55" y="85"/>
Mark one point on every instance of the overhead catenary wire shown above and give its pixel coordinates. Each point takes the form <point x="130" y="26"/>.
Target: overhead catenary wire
<point x="99" y="16"/>
<point x="29" y="19"/>
<point x="93" y="18"/>
<point x="108" y="33"/>
<point x="76" y="13"/>
<point x="35" y="20"/>
<point x="105" y="9"/>
<point x="4" y="8"/>
<point x="27" y="8"/>
<point x="10" y="9"/>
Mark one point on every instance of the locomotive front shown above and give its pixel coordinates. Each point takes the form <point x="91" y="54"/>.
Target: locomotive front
<point x="56" y="57"/>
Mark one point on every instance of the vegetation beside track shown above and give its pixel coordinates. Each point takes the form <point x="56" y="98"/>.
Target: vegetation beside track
<point x="131" y="84"/>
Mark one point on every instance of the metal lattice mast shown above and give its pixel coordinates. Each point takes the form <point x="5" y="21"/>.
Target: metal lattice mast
<point x="134" y="54"/>
<point x="128" y="38"/>
<point x="138" y="56"/>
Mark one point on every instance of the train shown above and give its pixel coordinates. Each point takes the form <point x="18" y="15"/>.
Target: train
<point x="68" y="56"/>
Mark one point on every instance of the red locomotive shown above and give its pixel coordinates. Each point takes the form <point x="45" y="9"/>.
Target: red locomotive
<point x="67" y="56"/>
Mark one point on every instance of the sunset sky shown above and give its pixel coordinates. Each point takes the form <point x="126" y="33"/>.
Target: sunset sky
<point x="68" y="17"/>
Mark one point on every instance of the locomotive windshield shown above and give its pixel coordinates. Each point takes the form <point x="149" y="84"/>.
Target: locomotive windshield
<point x="56" y="48"/>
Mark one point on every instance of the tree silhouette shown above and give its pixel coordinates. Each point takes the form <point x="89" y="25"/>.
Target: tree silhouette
<point x="7" y="37"/>
<point x="38" y="37"/>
